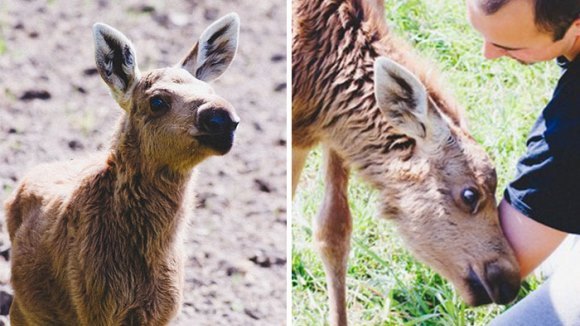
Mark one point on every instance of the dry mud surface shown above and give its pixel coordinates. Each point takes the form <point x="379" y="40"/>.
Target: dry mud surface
<point x="54" y="106"/>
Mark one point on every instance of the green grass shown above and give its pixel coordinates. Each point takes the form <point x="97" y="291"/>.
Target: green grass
<point x="387" y="286"/>
<point x="3" y="12"/>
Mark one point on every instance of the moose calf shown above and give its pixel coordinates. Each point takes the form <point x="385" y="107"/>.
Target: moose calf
<point x="97" y="242"/>
<point x="369" y="101"/>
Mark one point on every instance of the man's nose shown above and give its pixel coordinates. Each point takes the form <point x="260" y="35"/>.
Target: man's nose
<point x="491" y="51"/>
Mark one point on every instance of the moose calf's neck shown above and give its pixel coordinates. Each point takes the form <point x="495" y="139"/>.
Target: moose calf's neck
<point x="134" y="182"/>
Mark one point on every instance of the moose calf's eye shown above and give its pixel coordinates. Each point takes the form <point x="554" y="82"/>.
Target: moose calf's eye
<point x="158" y="104"/>
<point x="470" y="197"/>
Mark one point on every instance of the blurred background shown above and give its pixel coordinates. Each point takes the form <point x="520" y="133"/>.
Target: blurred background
<point x="54" y="106"/>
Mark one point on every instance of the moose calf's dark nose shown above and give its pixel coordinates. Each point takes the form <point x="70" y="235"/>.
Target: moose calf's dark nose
<point x="504" y="285"/>
<point x="217" y="121"/>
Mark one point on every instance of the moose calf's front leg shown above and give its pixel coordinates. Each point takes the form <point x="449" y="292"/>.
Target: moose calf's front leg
<point x="16" y="315"/>
<point x="333" y="228"/>
<point x="298" y="159"/>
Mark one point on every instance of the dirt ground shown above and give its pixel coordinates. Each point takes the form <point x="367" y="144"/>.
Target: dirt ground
<point x="54" y="106"/>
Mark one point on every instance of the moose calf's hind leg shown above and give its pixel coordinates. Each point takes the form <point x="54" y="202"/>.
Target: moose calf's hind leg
<point x="333" y="228"/>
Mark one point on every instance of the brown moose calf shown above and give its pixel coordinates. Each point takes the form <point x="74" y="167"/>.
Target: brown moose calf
<point x="97" y="242"/>
<point x="374" y="107"/>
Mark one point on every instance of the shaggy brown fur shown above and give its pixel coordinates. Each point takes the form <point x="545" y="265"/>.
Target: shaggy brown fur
<point x="97" y="242"/>
<point x="406" y="137"/>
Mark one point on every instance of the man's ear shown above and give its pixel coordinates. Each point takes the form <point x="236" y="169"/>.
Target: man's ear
<point x="116" y="61"/>
<point x="215" y="50"/>
<point x="576" y="26"/>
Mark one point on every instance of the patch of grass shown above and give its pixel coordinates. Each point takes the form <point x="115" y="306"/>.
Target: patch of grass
<point x="386" y="285"/>
<point x="8" y="94"/>
<point x="6" y="190"/>
<point x="85" y="122"/>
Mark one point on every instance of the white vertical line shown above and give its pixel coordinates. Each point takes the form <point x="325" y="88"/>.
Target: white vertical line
<point x="289" y="162"/>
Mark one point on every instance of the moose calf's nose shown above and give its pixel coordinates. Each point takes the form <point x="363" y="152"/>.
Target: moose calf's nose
<point x="504" y="283"/>
<point x="217" y="121"/>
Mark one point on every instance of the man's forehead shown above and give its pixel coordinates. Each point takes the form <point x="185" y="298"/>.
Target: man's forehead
<point x="510" y="28"/>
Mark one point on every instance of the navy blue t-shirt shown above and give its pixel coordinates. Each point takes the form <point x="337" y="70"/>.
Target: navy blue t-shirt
<point x="547" y="183"/>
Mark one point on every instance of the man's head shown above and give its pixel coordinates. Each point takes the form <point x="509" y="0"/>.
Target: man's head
<point x="527" y="30"/>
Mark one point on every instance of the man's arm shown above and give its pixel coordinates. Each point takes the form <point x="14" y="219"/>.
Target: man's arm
<point x="532" y="242"/>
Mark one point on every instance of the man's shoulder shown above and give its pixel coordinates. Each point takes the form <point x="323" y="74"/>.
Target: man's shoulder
<point x="566" y="96"/>
<point x="570" y="72"/>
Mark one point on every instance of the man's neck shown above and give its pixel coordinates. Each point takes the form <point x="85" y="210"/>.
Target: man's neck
<point x="574" y="51"/>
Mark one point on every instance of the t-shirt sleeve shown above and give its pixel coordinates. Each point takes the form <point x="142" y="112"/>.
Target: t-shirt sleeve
<point x="547" y="183"/>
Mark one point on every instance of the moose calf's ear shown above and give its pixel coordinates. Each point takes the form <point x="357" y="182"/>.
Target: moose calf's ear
<point x="401" y="97"/>
<point x="116" y="61"/>
<point x="215" y="50"/>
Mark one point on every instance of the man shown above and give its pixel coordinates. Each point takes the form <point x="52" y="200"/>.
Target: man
<point x="542" y="204"/>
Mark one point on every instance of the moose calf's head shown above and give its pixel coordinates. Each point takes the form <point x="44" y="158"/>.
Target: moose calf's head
<point x="439" y="188"/>
<point x="173" y="115"/>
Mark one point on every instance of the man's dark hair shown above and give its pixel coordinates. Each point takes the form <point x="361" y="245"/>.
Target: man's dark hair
<point x="553" y="16"/>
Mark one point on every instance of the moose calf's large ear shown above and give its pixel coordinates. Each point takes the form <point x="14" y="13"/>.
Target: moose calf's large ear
<point x="116" y="61"/>
<point x="215" y="50"/>
<point x="401" y="97"/>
